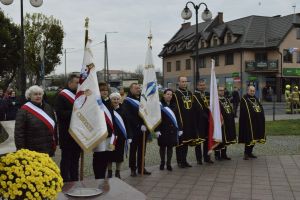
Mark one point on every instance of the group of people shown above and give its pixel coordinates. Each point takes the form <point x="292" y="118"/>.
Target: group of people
<point x="9" y="105"/>
<point x="292" y="99"/>
<point x="184" y="122"/>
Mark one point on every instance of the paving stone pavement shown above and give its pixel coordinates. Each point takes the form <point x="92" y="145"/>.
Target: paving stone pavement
<point x="274" y="177"/>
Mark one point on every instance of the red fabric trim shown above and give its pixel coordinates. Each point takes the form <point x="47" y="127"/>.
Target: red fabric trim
<point x="67" y="97"/>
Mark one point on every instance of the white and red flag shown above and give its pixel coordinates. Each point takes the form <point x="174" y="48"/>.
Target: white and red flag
<point x="214" y="130"/>
<point x="88" y="125"/>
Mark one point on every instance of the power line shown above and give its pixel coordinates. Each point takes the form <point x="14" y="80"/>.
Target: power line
<point x="81" y="49"/>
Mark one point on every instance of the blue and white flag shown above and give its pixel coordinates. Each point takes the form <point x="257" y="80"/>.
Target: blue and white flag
<point x="88" y="125"/>
<point x="149" y="104"/>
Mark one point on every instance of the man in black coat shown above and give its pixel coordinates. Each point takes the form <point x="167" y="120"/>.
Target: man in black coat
<point x="3" y="106"/>
<point x="70" y="150"/>
<point x="136" y="128"/>
<point x="183" y="103"/>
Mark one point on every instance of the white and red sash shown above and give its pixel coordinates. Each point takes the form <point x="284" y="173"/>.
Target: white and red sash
<point x="68" y="95"/>
<point x="108" y="117"/>
<point x="40" y="114"/>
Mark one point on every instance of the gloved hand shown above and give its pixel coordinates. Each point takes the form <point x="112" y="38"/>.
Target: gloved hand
<point x="143" y="128"/>
<point x="157" y="134"/>
<point x="180" y="133"/>
<point x="129" y="141"/>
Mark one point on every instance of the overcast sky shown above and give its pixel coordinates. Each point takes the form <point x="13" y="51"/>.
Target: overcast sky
<point x="132" y="19"/>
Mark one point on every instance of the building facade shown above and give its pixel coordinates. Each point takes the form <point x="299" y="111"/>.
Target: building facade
<point x="254" y="50"/>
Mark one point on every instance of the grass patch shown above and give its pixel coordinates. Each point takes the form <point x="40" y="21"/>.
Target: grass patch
<point x="281" y="127"/>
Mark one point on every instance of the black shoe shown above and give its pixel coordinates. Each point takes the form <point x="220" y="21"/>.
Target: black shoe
<point x="187" y="164"/>
<point x="169" y="168"/>
<point x="109" y="173"/>
<point x="133" y="173"/>
<point x="180" y="165"/>
<point x="226" y="158"/>
<point x="199" y="162"/>
<point x="209" y="161"/>
<point x="246" y="157"/>
<point x="145" y="172"/>
<point x="118" y="174"/>
<point x="218" y="157"/>
<point x="162" y="167"/>
<point x="252" y="156"/>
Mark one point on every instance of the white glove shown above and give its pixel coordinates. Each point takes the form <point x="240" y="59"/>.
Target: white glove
<point x="129" y="141"/>
<point x="157" y="133"/>
<point x="180" y="133"/>
<point x="143" y="128"/>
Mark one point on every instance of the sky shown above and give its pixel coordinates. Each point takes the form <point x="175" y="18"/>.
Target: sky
<point x="132" y="19"/>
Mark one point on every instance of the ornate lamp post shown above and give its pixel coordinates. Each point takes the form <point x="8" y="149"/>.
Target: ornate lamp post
<point x="34" y="3"/>
<point x="206" y="15"/>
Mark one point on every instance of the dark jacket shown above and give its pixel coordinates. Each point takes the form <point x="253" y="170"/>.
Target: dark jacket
<point x="3" y="108"/>
<point x="64" y="108"/>
<point x="134" y="120"/>
<point x="236" y="97"/>
<point x="169" y="132"/>
<point x="31" y="133"/>
<point x="13" y="104"/>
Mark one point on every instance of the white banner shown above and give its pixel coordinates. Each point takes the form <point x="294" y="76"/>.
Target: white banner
<point x="149" y="104"/>
<point x="88" y="126"/>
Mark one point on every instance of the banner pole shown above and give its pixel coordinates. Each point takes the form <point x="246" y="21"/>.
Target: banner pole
<point x="143" y="153"/>
<point x="86" y="25"/>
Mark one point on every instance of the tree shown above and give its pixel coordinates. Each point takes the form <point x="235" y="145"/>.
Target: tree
<point x="42" y="31"/>
<point x="10" y="40"/>
<point x="139" y="72"/>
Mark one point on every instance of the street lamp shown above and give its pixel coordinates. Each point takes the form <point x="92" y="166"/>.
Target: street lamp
<point x="66" y="61"/>
<point x="186" y="14"/>
<point x="106" y="70"/>
<point x="34" y="3"/>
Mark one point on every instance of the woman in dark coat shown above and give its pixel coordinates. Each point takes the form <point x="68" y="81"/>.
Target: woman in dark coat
<point x="35" y="127"/>
<point x="13" y="105"/>
<point x="117" y="155"/>
<point x="167" y="132"/>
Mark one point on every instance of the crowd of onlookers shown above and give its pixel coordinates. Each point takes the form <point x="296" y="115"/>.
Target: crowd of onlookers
<point x="9" y="105"/>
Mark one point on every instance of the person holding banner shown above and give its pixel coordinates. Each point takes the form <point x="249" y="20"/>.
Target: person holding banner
<point x="251" y="122"/>
<point x="183" y="103"/>
<point x="167" y="131"/>
<point x="102" y="152"/>
<point x="70" y="150"/>
<point x="136" y="128"/>
<point x="228" y="126"/>
<point x="201" y="110"/>
<point x="35" y="127"/>
<point x="117" y="155"/>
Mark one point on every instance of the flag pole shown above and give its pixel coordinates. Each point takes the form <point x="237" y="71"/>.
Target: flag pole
<point x="143" y="153"/>
<point x="86" y="25"/>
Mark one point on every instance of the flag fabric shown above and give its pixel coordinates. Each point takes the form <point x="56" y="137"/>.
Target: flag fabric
<point x="88" y="126"/>
<point x="149" y="108"/>
<point x="215" y="131"/>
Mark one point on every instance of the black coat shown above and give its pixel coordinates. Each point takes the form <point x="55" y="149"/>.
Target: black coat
<point x="169" y="132"/>
<point x="64" y="108"/>
<point x="251" y="121"/>
<point x="118" y="154"/>
<point x="31" y="133"/>
<point x="3" y="108"/>
<point x="134" y="120"/>
<point x="201" y="113"/>
<point x="13" y="104"/>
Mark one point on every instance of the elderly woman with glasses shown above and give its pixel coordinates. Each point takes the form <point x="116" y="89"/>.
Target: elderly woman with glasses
<point x="35" y="127"/>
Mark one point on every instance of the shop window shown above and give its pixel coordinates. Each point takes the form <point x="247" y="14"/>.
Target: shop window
<point x="287" y="56"/>
<point x="261" y="57"/>
<point x="169" y="65"/>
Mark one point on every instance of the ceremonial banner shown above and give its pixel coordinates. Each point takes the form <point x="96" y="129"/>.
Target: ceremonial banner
<point x="149" y="104"/>
<point x="215" y="131"/>
<point x="88" y="126"/>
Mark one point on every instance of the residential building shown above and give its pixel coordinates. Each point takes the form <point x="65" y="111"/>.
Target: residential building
<point x="253" y="50"/>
